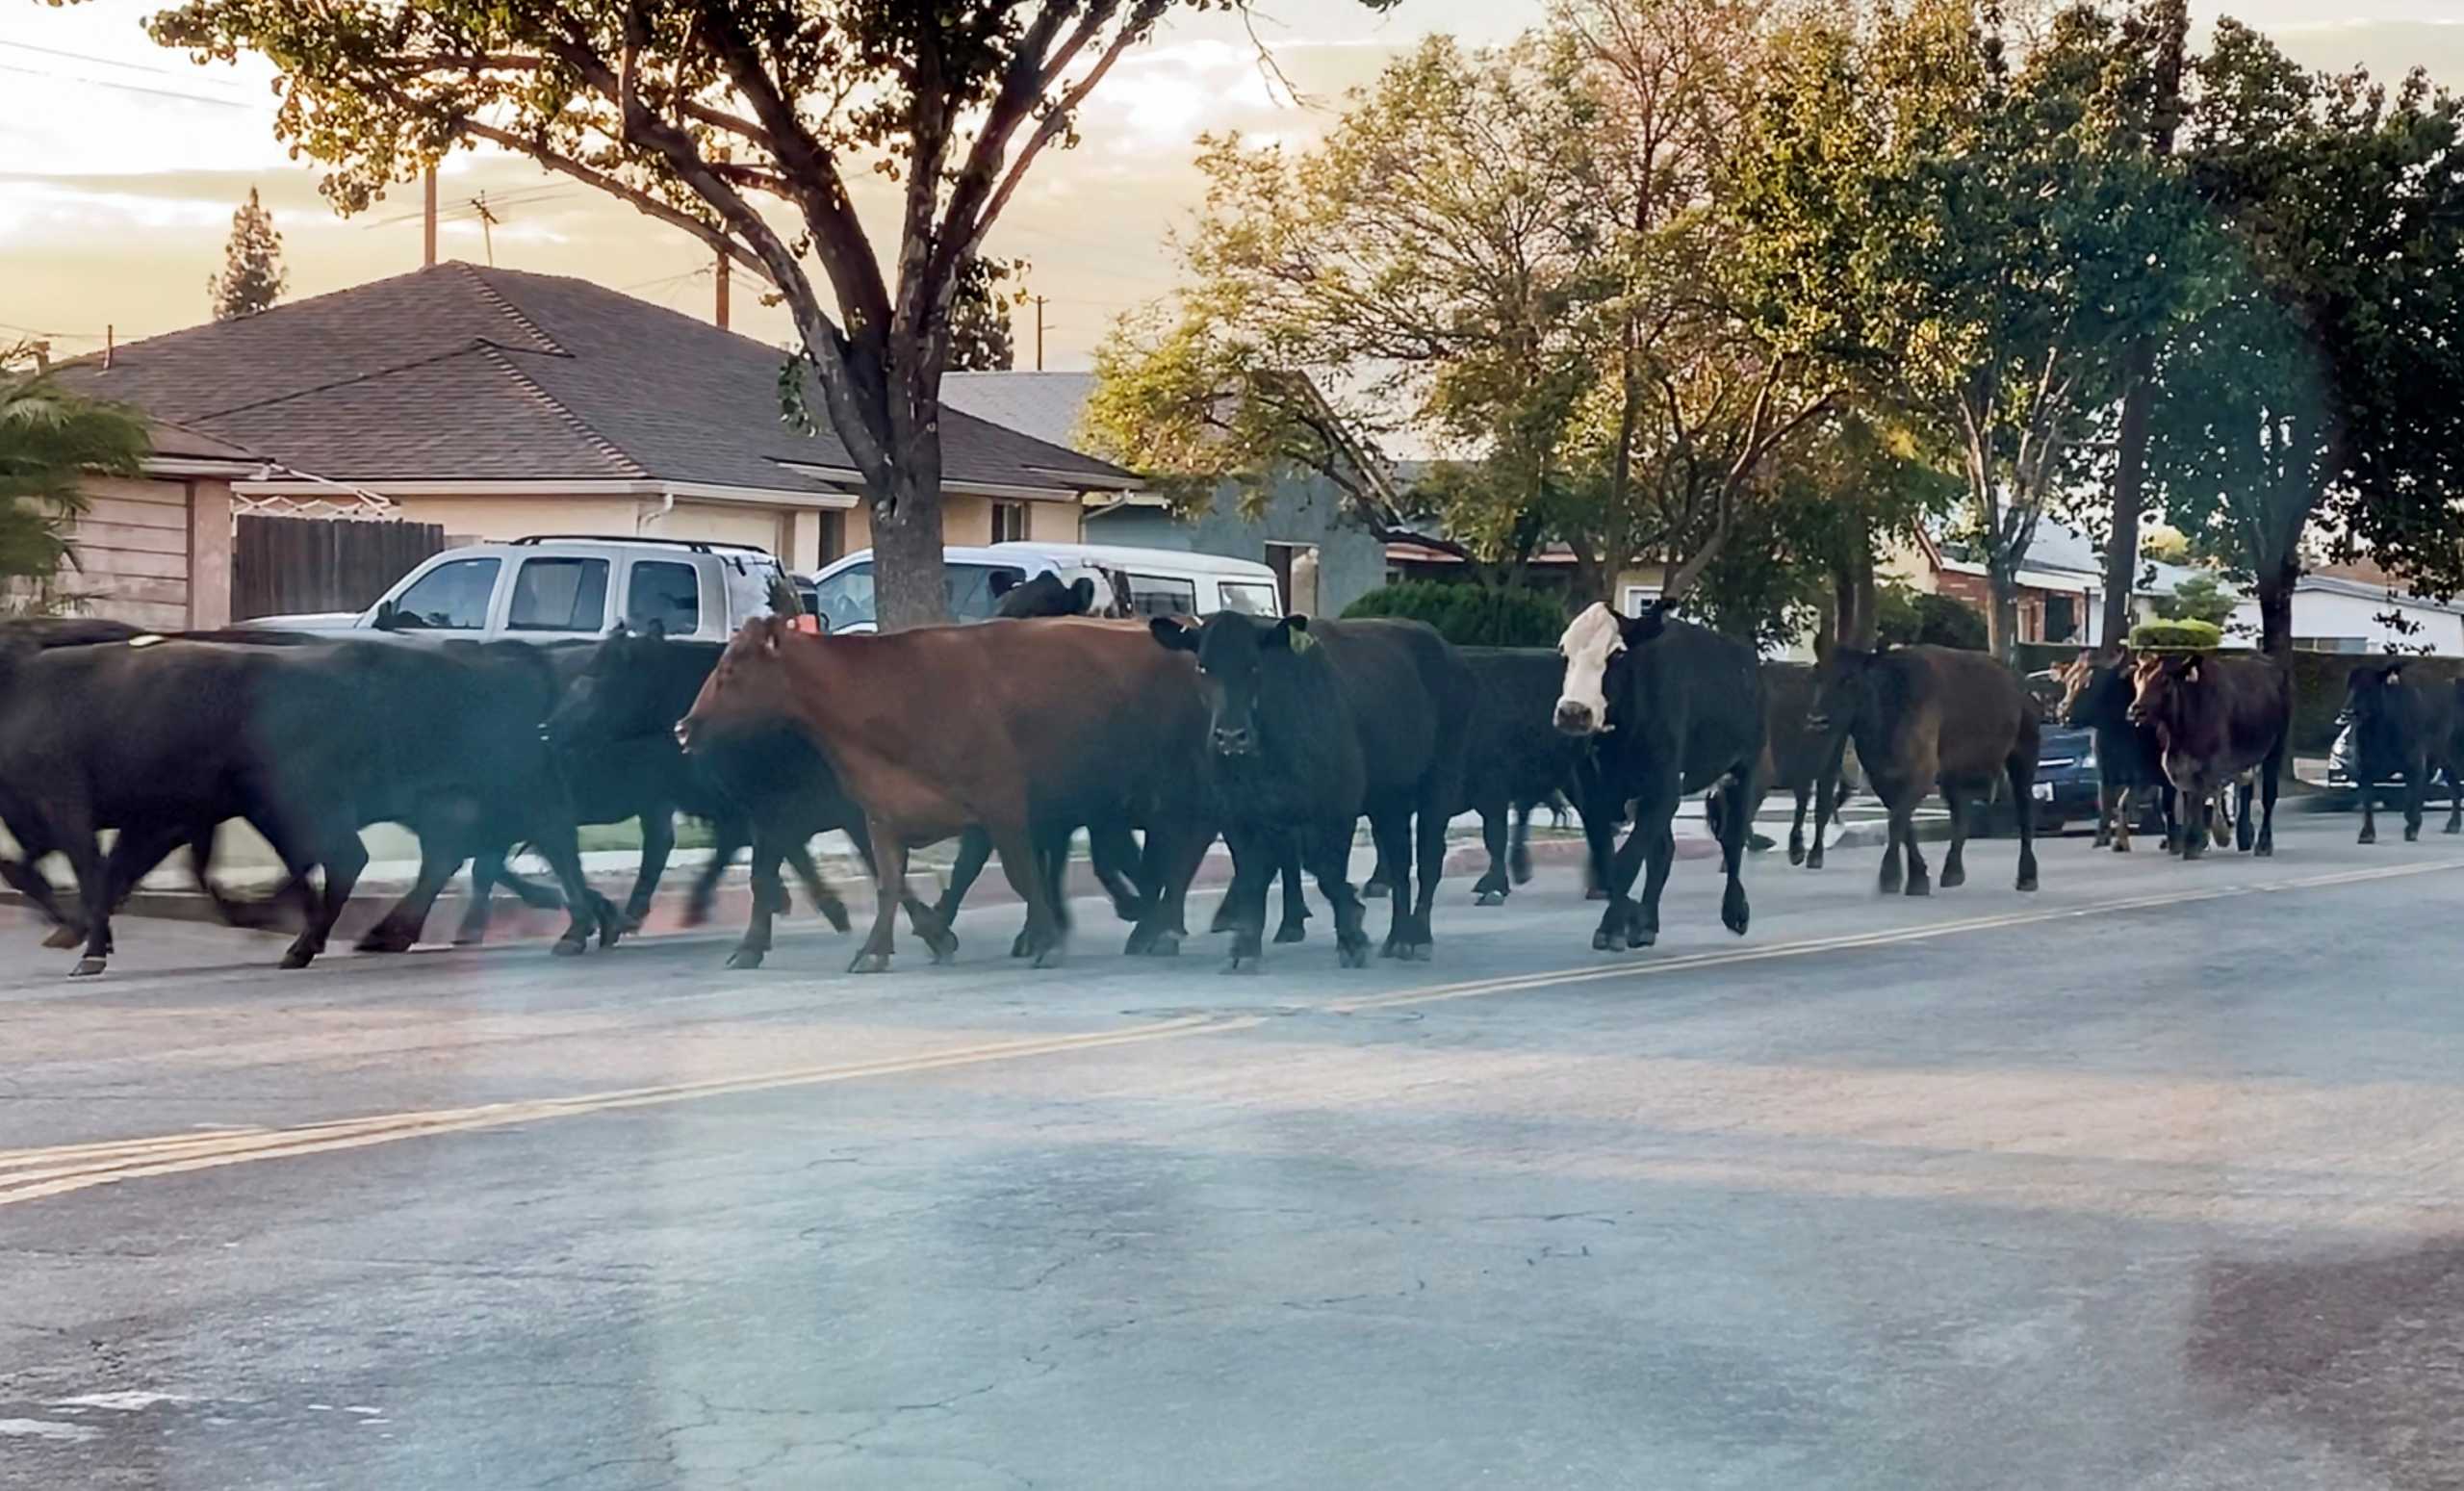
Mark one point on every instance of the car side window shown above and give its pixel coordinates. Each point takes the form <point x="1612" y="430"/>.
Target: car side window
<point x="453" y="597"/>
<point x="559" y="595"/>
<point x="666" y="593"/>
<point x="845" y="599"/>
<point x="975" y="589"/>
<point x="1157" y="595"/>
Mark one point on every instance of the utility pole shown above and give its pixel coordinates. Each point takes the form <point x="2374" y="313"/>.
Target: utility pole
<point x="487" y="226"/>
<point x="1038" y="301"/>
<point x="723" y="290"/>
<point x="427" y="231"/>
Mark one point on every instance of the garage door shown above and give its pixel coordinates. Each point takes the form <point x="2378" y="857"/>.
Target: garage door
<point x="720" y="523"/>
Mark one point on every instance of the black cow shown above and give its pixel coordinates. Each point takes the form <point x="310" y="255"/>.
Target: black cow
<point x="164" y="739"/>
<point x="2414" y="730"/>
<point x="1313" y="725"/>
<point x="2096" y="695"/>
<point x="1669" y="708"/>
<point x="1046" y="596"/>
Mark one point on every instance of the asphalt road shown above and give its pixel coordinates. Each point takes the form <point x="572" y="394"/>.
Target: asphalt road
<point x="2152" y="1180"/>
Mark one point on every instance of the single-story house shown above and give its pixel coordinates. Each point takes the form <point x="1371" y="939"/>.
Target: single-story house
<point x="497" y="403"/>
<point x="2061" y="582"/>
<point x="154" y="549"/>
<point x="1304" y="529"/>
<point x="2346" y="608"/>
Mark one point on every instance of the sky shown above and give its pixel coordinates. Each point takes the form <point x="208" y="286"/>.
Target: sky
<point x="120" y="164"/>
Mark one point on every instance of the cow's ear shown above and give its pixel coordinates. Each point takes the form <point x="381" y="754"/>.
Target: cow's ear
<point x="654" y="631"/>
<point x="1292" y="634"/>
<point x="1640" y="629"/>
<point x="1174" y="633"/>
<point x="2395" y="672"/>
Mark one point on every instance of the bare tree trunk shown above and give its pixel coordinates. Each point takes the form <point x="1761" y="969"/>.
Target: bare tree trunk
<point x="1860" y="607"/>
<point x="907" y="545"/>
<point x="2275" y="606"/>
<point x="2130" y="475"/>
<point x="2002" y="617"/>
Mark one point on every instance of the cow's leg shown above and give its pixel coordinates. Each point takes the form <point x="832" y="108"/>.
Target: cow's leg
<point x="1518" y="854"/>
<point x="2197" y="796"/>
<point x="401" y="925"/>
<point x="730" y="833"/>
<point x="1429" y="823"/>
<point x="1391" y="830"/>
<point x="1899" y="805"/>
<point x="2271" y="771"/>
<point x="659" y="841"/>
<point x="2240" y="788"/>
<point x="1295" y="925"/>
<point x="1804" y="794"/>
<point x="1736" y="824"/>
<point x="1112" y="853"/>
<point x="26" y="877"/>
<point x="586" y="910"/>
<point x="2416" y="788"/>
<point x="1052" y="865"/>
<point x="2020" y="771"/>
<point x="487" y="868"/>
<point x="1656" y="832"/>
<point x="825" y="900"/>
<point x="1286" y="862"/>
<point x="529" y="892"/>
<point x="2369" y="811"/>
<point x="767" y="895"/>
<point x="1329" y="851"/>
<point x="1173" y="851"/>
<point x="344" y="858"/>
<point x="1826" y="804"/>
<point x="1600" y="869"/>
<point x="1382" y="880"/>
<point x="2456" y="793"/>
<point x="92" y="870"/>
<point x="1955" y="796"/>
<point x="1256" y="853"/>
<point x="1496" y="833"/>
<point x="888" y="857"/>
<point x="975" y="851"/>
<point x="2169" y="802"/>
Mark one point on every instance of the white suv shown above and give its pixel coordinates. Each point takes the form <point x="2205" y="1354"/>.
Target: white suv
<point x="554" y="588"/>
<point x="1136" y="581"/>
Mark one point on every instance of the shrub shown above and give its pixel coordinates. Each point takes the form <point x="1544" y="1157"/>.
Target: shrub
<point x="1906" y="617"/>
<point x="1470" y="615"/>
<point x="2176" y="636"/>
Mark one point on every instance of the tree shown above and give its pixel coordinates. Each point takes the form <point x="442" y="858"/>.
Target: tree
<point x="1925" y="618"/>
<point x="1974" y="223"/>
<point x="2325" y="382"/>
<point x="49" y="440"/>
<point x="980" y="334"/>
<point x="2199" y="598"/>
<point x="252" y="278"/>
<point x="1464" y="263"/>
<point x="699" y="113"/>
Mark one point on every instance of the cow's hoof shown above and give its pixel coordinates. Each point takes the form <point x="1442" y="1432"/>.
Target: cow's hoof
<point x="1642" y="937"/>
<point x="1240" y="965"/>
<point x="2412" y="836"/>
<point x="696" y="913"/>
<point x="944" y="949"/>
<point x="1735" y="913"/>
<point x="64" y="938"/>
<point x="1796" y="854"/>
<point x="1051" y="955"/>
<point x="1163" y="944"/>
<point x="1222" y="923"/>
<point x="87" y="968"/>
<point x="1489" y="898"/>
<point x="871" y="963"/>
<point x="746" y="957"/>
<point x="2027" y="881"/>
<point x="1954" y="876"/>
<point x="1375" y="890"/>
<point x="1292" y="932"/>
<point x="469" y="939"/>
<point x="1758" y="843"/>
<point x="1888" y="885"/>
<point x="1918" y="885"/>
<point x="2453" y="827"/>
<point x="2265" y="851"/>
<point x="1594" y="894"/>
<point x="1414" y="952"/>
<point x="1018" y="945"/>
<point x="2120" y="846"/>
<point x="1518" y="867"/>
<point x="384" y="939"/>
<point x="570" y="947"/>
<point x="1814" y="859"/>
<point x="631" y="920"/>
<point x="297" y="956"/>
<point x="1352" y="955"/>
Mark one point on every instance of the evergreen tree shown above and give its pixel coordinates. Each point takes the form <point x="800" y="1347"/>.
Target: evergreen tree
<point x="252" y="278"/>
<point x="980" y="339"/>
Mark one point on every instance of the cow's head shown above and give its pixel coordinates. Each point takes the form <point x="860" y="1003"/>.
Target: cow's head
<point x="1237" y="661"/>
<point x="2161" y="683"/>
<point x="1046" y="596"/>
<point x="1591" y="645"/>
<point x="1843" y="690"/>
<point x="2096" y="689"/>
<point x="749" y="685"/>
<point x="615" y="697"/>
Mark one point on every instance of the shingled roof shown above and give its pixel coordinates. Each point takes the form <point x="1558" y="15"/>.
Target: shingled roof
<point x="459" y="373"/>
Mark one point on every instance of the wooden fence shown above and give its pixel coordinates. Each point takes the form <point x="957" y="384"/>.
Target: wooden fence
<point x="283" y="565"/>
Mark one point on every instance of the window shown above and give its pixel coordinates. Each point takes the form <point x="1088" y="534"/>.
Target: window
<point x="2331" y="643"/>
<point x="1157" y="595"/>
<point x="559" y="595"/>
<point x="2060" y="618"/>
<point x="1640" y="596"/>
<point x="1009" y="521"/>
<point x="666" y="593"/>
<point x="845" y="599"/>
<point x="1249" y="597"/>
<point x="833" y="541"/>
<point x="973" y="590"/>
<point x="449" y="598"/>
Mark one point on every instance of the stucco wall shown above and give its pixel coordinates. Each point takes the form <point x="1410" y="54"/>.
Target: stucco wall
<point x="209" y="552"/>
<point x="1055" y="523"/>
<point x="500" y="519"/>
<point x="2318" y="613"/>
<point x="1303" y="511"/>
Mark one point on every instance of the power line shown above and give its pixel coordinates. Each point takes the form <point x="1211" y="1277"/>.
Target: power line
<point x="519" y="196"/>
<point x="134" y="87"/>
<point x="106" y="62"/>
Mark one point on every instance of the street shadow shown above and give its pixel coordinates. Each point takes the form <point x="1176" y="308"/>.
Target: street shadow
<point x="2367" y="1355"/>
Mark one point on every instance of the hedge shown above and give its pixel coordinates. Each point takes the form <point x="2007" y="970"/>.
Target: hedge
<point x="1470" y="615"/>
<point x="2318" y="685"/>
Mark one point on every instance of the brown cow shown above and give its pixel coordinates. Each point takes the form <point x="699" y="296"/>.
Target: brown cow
<point x="1027" y="728"/>
<point x="2216" y="718"/>
<point x="1924" y="717"/>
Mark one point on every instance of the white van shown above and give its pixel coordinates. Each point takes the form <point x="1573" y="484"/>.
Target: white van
<point x="1138" y="582"/>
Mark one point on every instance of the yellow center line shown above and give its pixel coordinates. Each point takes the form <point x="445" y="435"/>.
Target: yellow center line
<point x="34" y="1173"/>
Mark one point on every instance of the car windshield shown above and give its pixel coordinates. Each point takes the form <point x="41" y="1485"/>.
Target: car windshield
<point x="845" y="600"/>
<point x="1250" y="598"/>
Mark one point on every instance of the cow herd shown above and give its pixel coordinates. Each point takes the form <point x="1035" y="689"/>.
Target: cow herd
<point x="1155" y="737"/>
